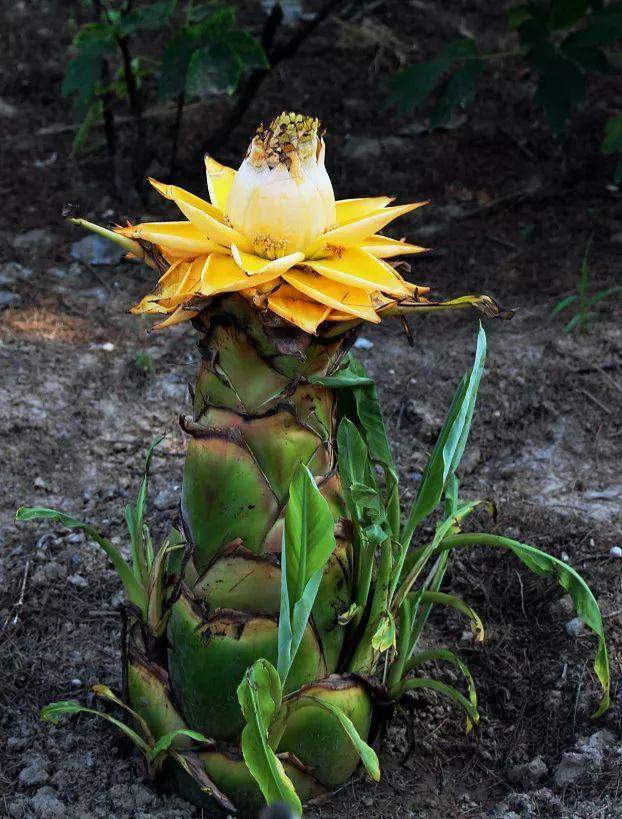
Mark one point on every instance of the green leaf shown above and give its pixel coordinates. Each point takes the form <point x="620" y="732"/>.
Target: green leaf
<point x="106" y="693"/>
<point x="589" y="58"/>
<point x="385" y="636"/>
<point x="518" y="15"/>
<point x="93" y="113"/>
<point x="458" y="90"/>
<point x="563" y="303"/>
<point x="411" y="86"/>
<point x="146" y="18"/>
<point x="55" y="710"/>
<point x="447" y="691"/>
<point x="260" y="696"/>
<point x="566" y="13"/>
<point x="248" y="49"/>
<point x="603" y="294"/>
<point x="366" y="753"/>
<point x="213" y="69"/>
<point x="542" y="563"/>
<point x="348" y="376"/>
<point x="604" y="28"/>
<point x="82" y="76"/>
<point x="133" y="589"/>
<point x="612" y="141"/>
<point x="141" y="549"/>
<point x="442" y="599"/>
<point x="165" y="742"/>
<point x="355" y="472"/>
<point x="449" y="447"/>
<point x="177" y="54"/>
<point x="94" y="39"/>
<point x="561" y="85"/>
<point x="448" y="657"/>
<point x="370" y="418"/>
<point x="308" y="542"/>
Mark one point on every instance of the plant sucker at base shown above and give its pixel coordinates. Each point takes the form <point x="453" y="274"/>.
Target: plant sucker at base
<point x="257" y="630"/>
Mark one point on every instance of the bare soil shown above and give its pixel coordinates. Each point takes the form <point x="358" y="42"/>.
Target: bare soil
<point x="512" y="210"/>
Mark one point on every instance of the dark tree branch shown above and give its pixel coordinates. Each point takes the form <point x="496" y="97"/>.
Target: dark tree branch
<point x="275" y="55"/>
<point x="176" y="128"/>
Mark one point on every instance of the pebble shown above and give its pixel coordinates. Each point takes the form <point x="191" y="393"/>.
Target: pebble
<point x="78" y="581"/>
<point x="167" y="498"/>
<point x="35" y="772"/>
<point x="363" y="344"/>
<point x="9" y="299"/>
<point x="7" y="110"/>
<point x="361" y="148"/>
<point x="46" y="804"/>
<point x="13" y="272"/>
<point x="571" y="768"/>
<point x="34" y="243"/>
<point x="575" y="627"/>
<point x="615" y="551"/>
<point x="95" y="250"/>
<point x="529" y="774"/>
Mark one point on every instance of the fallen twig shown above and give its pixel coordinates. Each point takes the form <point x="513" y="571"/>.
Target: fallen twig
<point x="20" y="601"/>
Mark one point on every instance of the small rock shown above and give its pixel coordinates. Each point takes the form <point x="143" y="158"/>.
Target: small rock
<point x="39" y="483"/>
<point x="35" y="772"/>
<point x="13" y="272"/>
<point x="46" y="804"/>
<point x="117" y="600"/>
<point x="34" y="243"/>
<point x="361" y="149"/>
<point x="9" y="299"/>
<point x="95" y="250"/>
<point x="363" y="344"/>
<point x="17" y="743"/>
<point x="575" y="627"/>
<point x="545" y="796"/>
<point x="17" y="809"/>
<point x="166" y="498"/>
<point x="78" y="581"/>
<point x="529" y="774"/>
<point x="616" y="551"/>
<point x="565" y="557"/>
<point x="571" y="769"/>
<point x="143" y="797"/>
<point x="564" y="606"/>
<point x="7" y="111"/>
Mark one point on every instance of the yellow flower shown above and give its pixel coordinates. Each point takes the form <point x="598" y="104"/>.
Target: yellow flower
<point x="274" y="233"/>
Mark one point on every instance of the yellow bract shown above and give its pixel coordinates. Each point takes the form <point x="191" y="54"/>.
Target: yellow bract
<point x="274" y="229"/>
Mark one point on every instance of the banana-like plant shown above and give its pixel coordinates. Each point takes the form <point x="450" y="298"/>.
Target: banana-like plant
<point x="266" y="635"/>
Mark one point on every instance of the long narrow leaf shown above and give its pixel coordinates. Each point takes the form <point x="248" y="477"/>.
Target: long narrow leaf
<point x="451" y="442"/>
<point x="542" y="563"/>
<point x="366" y="752"/>
<point x="53" y="712"/>
<point x="440" y="598"/>
<point x="134" y="591"/>
<point x="430" y="550"/>
<point x="308" y="542"/>
<point x="260" y="695"/>
<point x="449" y="657"/>
<point x="165" y="742"/>
<point x="446" y="690"/>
